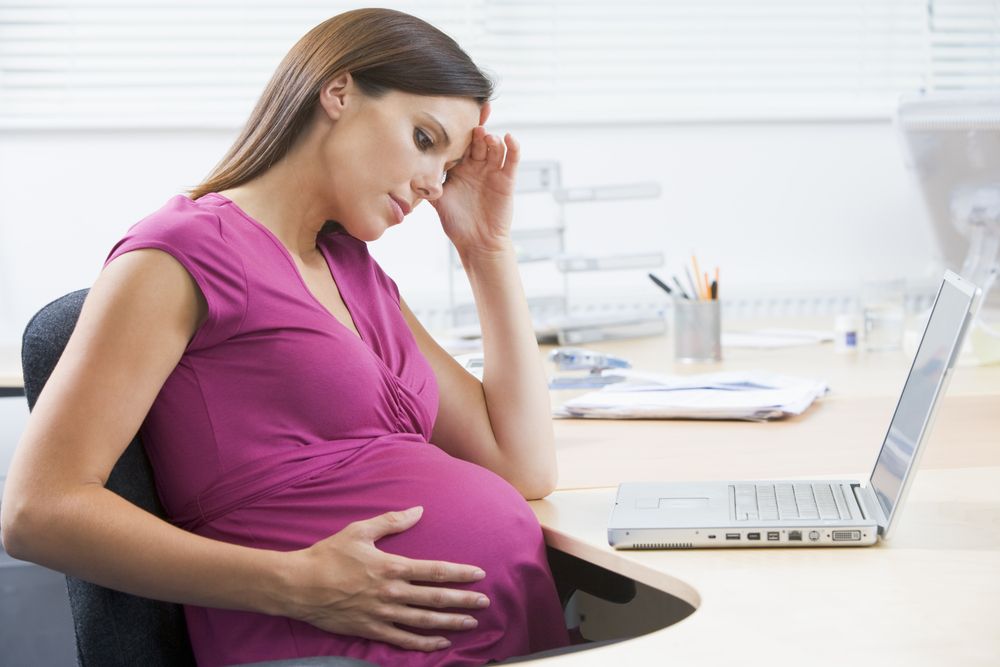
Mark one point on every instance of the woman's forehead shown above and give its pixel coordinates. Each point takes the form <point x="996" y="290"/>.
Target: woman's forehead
<point x="458" y="115"/>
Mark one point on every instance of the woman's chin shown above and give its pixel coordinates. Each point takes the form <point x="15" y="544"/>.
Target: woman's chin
<point x="368" y="232"/>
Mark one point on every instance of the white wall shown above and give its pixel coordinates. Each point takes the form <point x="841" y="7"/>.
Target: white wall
<point x="782" y="208"/>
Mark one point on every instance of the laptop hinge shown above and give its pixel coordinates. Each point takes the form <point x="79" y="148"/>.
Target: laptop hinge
<point x="870" y="507"/>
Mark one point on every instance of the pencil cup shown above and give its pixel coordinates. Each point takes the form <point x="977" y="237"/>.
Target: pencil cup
<point x="697" y="331"/>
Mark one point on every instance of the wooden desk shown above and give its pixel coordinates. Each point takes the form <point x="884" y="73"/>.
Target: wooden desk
<point x="931" y="596"/>
<point x="838" y="435"/>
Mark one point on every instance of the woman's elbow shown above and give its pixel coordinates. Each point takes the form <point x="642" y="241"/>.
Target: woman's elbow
<point x="16" y="527"/>
<point x="538" y="486"/>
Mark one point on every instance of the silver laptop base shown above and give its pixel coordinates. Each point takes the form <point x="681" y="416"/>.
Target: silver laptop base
<point x="750" y="536"/>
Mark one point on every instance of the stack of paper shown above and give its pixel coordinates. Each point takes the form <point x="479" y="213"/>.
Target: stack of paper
<point x="749" y="395"/>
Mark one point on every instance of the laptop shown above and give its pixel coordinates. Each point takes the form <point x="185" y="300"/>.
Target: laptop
<point x="807" y="513"/>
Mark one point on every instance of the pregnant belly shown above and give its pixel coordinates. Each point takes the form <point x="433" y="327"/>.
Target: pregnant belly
<point x="470" y="516"/>
<point x="468" y="510"/>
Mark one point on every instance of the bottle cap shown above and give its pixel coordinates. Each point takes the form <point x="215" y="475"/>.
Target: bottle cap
<point x="845" y="322"/>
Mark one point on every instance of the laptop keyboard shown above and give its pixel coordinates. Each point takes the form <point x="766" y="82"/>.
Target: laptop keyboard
<point x="774" y="502"/>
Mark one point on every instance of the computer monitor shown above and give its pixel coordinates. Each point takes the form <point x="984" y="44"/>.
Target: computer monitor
<point x="952" y="143"/>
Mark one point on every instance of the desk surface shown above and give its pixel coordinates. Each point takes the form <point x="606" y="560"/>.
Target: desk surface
<point x="838" y="435"/>
<point x="931" y="596"/>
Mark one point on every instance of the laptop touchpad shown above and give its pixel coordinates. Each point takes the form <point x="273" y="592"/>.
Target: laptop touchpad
<point x="653" y="503"/>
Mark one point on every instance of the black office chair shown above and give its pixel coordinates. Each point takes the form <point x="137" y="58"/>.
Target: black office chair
<point x="117" y="629"/>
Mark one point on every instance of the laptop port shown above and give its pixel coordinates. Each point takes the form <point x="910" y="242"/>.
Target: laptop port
<point x="711" y="537"/>
<point x="732" y="536"/>
<point x="795" y="536"/>
<point x="847" y="536"/>
<point x="753" y="536"/>
<point x="773" y="536"/>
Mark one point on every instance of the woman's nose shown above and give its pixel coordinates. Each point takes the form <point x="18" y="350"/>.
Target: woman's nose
<point x="429" y="187"/>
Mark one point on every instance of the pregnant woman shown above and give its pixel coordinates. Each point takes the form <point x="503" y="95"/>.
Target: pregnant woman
<point x="337" y="484"/>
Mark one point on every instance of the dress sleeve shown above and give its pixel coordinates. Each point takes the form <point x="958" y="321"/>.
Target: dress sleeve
<point x="195" y="238"/>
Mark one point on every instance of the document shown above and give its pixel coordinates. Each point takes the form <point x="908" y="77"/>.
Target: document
<point x="746" y="395"/>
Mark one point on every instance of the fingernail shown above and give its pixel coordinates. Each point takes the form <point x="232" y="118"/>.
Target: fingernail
<point x="443" y="643"/>
<point x="478" y="574"/>
<point x="482" y="601"/>
<point x="469" y="623"/>
<point x="418" y="510"/>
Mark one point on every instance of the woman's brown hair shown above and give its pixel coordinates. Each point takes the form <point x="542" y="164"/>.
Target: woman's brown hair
<point x="382" y="49"/>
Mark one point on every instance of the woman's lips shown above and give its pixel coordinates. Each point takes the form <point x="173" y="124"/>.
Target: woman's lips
<point x="399" y="208"/>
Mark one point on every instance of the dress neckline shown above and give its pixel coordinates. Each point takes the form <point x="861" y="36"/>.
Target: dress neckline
<point x="331" y="265"/>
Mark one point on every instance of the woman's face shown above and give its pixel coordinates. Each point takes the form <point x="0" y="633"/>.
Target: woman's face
<point x="383" y="156"/>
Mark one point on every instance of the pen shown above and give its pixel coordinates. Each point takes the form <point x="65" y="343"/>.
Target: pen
<point x="715" y="290"/>
<point x="680" y="288"/>
<point x="662" y="285"/>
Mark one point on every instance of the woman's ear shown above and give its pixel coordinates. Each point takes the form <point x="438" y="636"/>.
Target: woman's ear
<point x="333" y="95"/>
<point x="484" y="113"/>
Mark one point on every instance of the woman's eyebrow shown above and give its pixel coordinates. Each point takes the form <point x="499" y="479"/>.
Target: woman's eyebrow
<point x="440" y="127"/>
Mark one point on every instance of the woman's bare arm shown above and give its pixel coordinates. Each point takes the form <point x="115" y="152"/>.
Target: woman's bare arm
<point x="505" y="423"/>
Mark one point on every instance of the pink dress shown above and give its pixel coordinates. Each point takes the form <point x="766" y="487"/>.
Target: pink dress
<point x="279" y="427"/>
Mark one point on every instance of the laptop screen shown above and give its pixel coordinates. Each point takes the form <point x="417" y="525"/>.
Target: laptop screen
<point x="935" y="355"/>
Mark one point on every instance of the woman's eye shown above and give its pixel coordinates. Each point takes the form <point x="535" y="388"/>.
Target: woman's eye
<point x="423" y="141"/>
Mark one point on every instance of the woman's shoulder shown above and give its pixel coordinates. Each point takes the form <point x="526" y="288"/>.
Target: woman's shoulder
<point x="182" y="219"/>
<point x="195" y="229"/>
<point x="192" y="231"/>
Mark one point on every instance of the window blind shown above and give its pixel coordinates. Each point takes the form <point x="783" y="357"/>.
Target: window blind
<point x="158" y="63"/>
<point x="643" y="59"/>
<point x="965" y="45"/>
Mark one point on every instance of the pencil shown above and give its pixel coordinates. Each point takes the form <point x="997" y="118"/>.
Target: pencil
<point x="708" y="287"/>
<point x="702" y="289"/>
<point x="716" y="282"/>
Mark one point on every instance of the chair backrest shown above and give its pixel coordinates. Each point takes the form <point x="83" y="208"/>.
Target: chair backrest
<point x="112" y="628"/>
